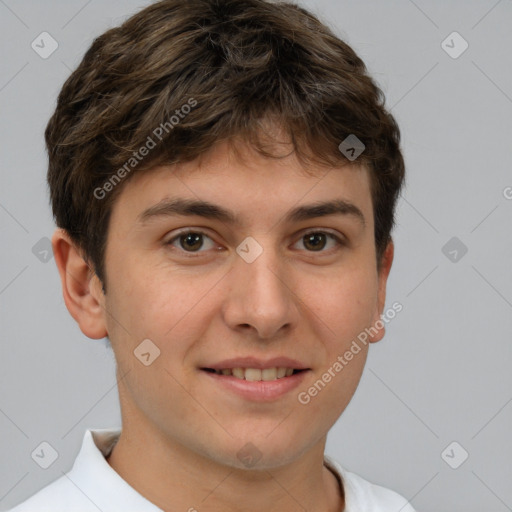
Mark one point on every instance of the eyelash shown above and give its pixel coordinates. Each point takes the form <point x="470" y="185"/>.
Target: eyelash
<point x="189" y="254"/>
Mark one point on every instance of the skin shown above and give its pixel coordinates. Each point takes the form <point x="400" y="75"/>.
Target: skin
<point x="181" y="432"/>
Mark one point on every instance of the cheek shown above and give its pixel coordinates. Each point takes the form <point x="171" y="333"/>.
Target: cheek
<point x="344" y="305"/>
<point x="163" y="305"/>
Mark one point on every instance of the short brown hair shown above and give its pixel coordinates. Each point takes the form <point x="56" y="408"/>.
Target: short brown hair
<point x="235" y="63"/>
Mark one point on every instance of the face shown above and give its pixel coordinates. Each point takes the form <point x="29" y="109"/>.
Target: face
<point x="262" y="290"/>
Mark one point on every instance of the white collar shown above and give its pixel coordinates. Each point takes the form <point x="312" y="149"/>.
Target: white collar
<point x="94" y="477"/>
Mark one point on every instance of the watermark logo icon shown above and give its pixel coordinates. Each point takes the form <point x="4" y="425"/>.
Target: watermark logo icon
<point x="454" y="45"/>
<point x="146" y="352"/>
<point x="44" y="455"/>
<point x="249" y="249"/>
<point x="351" y="147"/>
<point x="249" y="455"/>
<point x="44" y="45"/>
<point x="454" y="249"/>
<point x="42" y="250"/>
<point x="454" y="455"/>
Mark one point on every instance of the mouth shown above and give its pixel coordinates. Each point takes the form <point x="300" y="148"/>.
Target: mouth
<point x="256" y="374"/>
<point x="255" y="380"/>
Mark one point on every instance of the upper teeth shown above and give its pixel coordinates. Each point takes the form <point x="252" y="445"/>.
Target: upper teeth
<point x="255" y="374"/>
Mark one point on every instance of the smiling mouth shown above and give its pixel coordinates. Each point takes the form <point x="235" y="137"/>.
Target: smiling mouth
<point x="256" y="374"/>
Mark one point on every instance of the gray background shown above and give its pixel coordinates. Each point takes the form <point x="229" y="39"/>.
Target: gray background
<point x="441" y="374"/>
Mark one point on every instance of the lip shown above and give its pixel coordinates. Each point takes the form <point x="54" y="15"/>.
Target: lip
<point x="257" y="391"/>
<point x="252" y="362"/>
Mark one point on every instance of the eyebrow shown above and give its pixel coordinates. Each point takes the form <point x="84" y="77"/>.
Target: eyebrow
<point x="190" y="207"/>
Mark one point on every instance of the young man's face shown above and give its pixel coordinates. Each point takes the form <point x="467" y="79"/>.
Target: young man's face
<point x="303" y="299"/>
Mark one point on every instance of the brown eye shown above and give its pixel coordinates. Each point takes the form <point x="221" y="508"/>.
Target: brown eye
<point x="191" y="241"/>
<point x="315" y="241"/>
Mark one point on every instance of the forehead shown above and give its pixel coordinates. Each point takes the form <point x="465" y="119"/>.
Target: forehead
<point x="250" y="185"/>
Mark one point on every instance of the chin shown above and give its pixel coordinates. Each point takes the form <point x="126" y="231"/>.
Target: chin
<point x="265" y="450"/>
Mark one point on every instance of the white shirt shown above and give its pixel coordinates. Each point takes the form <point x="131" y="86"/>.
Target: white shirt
<point x="92" y="485"/>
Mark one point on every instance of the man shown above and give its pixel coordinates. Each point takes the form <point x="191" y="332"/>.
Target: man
<point x="223" y="175"/>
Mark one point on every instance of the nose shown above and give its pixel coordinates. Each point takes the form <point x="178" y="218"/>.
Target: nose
<point x="260" y="297"/>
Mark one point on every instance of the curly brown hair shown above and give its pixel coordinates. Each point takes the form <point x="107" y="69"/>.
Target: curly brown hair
<point x="233" y="64"/>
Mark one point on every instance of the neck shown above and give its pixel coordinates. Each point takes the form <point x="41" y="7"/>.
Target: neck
<point x="174" y="478"/>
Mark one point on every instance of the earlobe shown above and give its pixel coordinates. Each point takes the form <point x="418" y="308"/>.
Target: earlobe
<point x="82" y="295"/>
<point x="378" y="327"/>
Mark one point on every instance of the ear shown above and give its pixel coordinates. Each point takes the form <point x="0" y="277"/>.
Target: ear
<point x="385" y="267"/>
<point x="81" y="288"/>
